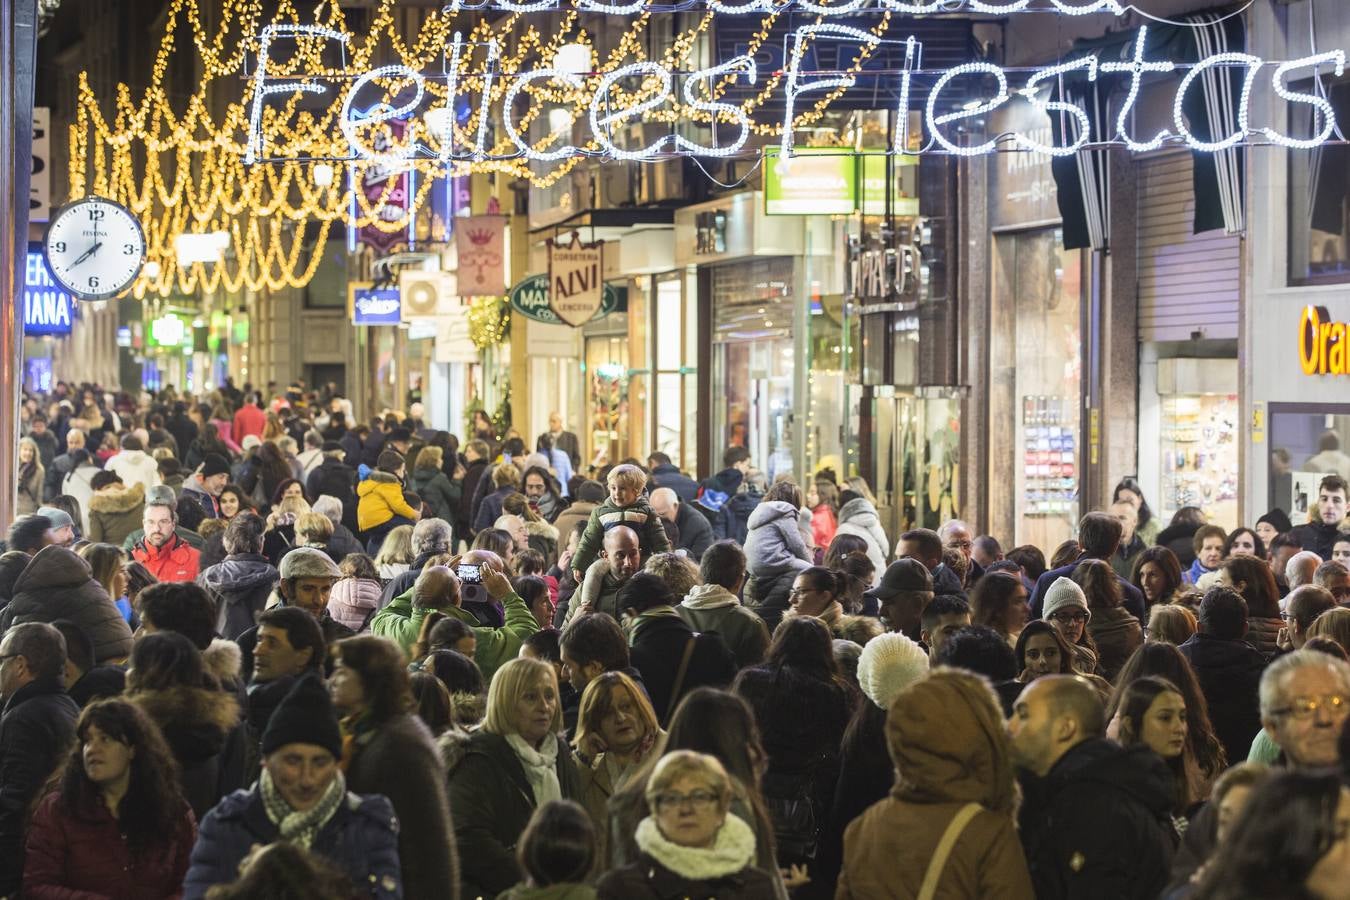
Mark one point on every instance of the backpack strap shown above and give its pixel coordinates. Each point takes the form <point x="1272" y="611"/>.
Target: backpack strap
<point x="944" y="849"/>
<point x="679" y="678"/>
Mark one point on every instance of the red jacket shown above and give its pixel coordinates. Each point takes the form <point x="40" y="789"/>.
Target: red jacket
<point x="248" y="420"/>
<point x="70" y="855"/>
<point x="177" y="560"/>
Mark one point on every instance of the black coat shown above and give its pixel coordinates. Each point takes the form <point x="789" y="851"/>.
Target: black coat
<point x="696" y="535"/>
<point x="240" y="585"/>
<point x="647" y="879"/>
<point x="399" y="760"/>
<point x="36" y="729"/>
<point x="208" y="738"/>
<point x="1229" y="673"/>
<point x="1318" y="537"/>
<point x="1099" y="824"/>
<point x="769" y="597"/>
<point x="656" y="652"/>
<point x="1180" y="539"/>
<point x="473" y="473"/>
<point x="493" y="802"/>
<point x="337" y="480"/>
<point x="733" y="519"/>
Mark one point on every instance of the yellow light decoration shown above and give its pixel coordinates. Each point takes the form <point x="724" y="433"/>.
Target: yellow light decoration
<point x="489" y="321"/>
<point x="181" y="168"/>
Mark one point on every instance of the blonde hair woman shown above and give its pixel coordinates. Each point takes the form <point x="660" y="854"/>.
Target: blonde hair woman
<point x="30" y="477"/>
<point x="691" y="844"/>
<point x="518" y="744"/>
<point x="395" y="554"/>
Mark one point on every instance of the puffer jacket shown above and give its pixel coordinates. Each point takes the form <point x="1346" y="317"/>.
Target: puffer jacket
<point x="773" y="543"/>
<point x="360" y="839"/>
<point x="57" y="584"/>
<point x="380" y="498"/>
<point x="859" y="517"/>
<point x="205" y="732"/>
<point x="135" y="467"/>
<point x="770" y="597"/>
<point x="241" y="585"/>
<point x="115" y="513"/>
<point x="1262" y="632"/>
<point x="353" y="601"/>
<point x="438" y="492"/>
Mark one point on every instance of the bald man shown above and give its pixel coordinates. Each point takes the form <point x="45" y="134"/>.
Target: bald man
<point x="439" y="589"/>
<point x="1095" y="816"/>
<point x="694" y="533"/>
<point x="620" y="559"/>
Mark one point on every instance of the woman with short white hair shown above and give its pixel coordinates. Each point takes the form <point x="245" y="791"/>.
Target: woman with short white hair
<point x="691" y="845"/>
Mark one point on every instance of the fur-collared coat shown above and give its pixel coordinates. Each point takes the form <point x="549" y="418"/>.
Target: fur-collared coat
<point x="204" y="729"/>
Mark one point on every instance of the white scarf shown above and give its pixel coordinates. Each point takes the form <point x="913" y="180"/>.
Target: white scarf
<point x="732" y="850"/>
<point x="541" y="767"/>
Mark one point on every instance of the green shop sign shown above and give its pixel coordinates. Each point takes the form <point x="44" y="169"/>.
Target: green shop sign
<point x="530" y="299"/>
<point x="825" y="181"/>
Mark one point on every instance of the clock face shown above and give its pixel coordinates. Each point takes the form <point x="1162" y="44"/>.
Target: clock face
<point x="94" y="248"/>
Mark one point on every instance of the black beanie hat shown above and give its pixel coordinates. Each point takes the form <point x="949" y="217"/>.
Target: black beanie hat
<point x="1277" y="519"/>
<point x="304" y="716"/>
<point x="215" y="464"/>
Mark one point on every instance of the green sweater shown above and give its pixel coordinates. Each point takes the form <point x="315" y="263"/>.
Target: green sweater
<point x="639" y="517"/>
<point x="401" y="622"/>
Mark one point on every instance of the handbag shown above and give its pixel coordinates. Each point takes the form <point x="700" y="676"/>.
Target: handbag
<point x="944" y="849"/>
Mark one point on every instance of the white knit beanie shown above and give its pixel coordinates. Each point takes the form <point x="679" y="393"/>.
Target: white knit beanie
<point x="890" y="663"/>
<point x="1064" y="592"/>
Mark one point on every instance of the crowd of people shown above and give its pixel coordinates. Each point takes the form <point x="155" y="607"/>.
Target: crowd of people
<point x="258" y="648"/>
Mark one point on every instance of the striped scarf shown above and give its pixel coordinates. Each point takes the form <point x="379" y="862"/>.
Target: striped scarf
<point x="295" y="826"/>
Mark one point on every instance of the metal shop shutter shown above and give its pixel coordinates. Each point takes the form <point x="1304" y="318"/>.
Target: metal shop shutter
<point x="1187" y="282"/>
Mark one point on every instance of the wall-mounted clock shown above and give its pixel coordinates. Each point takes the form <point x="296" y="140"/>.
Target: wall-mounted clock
<point x="94" y="248"/>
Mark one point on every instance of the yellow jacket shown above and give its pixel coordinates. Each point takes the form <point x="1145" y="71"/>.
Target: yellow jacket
<point x="381" y="498"/>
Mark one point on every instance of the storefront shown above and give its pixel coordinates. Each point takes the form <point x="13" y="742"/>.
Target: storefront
<point x="760" y="278"/>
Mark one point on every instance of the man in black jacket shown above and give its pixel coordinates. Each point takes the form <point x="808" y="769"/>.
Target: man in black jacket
<point x="694" y="534"/>
<point x="1099" y="537"/>
<point x="1320" y="535"/>
<point x="665" y="474"/>
<point x="37" y="727"/>
<point x="1228" y="669"/>
<point x="1095" y="817"/>
<point x="336" y="479"/>
<point x="673" y="659"/>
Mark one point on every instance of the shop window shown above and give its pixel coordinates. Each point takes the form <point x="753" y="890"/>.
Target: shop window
<point x="1319" y="199"/>
<point x="1307" y="442"/>
<point x="674" y="431"/>
<point x="607" y="396"/>
<point x="1036" y="388"/>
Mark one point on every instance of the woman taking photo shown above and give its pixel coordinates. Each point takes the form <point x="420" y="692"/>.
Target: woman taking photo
<point x="616" y="732"/>
<point x="1157" y="574"/>
<point x="116" y="827"/>
<point x="999" y="601"/>
<point x="389" y="751"/>
<point x="690" y="845"/>
<point x="517" y="747"/>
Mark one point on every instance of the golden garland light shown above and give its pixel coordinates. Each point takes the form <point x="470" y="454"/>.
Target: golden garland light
<point x="489" y="321"/>
<point x="180" y="167"/>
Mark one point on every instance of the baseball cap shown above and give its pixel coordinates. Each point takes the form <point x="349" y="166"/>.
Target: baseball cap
<point x="308" y="562"/>
<point x="903" y="575"/>
<point x="250" y="441"/>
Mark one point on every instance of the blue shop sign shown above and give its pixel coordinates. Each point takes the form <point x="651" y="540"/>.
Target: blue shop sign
<point x="47" y="309"/>
<point x="375" y="306"/>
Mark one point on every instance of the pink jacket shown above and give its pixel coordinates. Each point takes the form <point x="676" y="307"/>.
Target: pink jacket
<point x="353" y="601"/>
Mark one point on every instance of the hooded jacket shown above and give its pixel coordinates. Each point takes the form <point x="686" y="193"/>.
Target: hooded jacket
<point x="1099" y="824"/>
<point x="713" y="608"/>
<point x="951" y="749"/>
<point x="493" y="802"/>
<point x="241" y="584"/>
<point x="360" y="839"/>
<point x="135" y="467"/>
<point x="438" y="492"/>
<point x="859" y="517"/>
<point x="206" y="735"/>
<point x="380" y="498"/>
<point x="353" y="601"/>
<point x="114" y="513"/>
<point x="1229" y="673"/>
<point x="774" y="544"/>
<point x="57" y="584"/>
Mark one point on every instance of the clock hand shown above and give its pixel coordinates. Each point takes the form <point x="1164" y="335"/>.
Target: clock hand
<point x="86" y="254"/>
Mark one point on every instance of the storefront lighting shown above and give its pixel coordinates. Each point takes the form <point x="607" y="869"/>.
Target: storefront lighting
<point x="200" y="248"/>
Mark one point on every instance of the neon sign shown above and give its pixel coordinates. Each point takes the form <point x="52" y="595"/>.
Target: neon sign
<point x="648" y="87"/>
